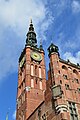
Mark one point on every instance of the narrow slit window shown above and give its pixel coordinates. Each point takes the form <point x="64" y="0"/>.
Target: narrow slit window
<point x="40" y="72"/>
<point x="32" y="70"/>
<point x="32" y="83"/>
<point x="40" y="85"/>
<point x="35" y="70"/>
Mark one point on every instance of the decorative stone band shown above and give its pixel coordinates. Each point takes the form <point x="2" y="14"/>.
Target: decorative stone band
<point x="61" y="108"/>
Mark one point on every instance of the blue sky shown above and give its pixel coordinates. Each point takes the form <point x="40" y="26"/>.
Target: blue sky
<point x="56" y="21"/>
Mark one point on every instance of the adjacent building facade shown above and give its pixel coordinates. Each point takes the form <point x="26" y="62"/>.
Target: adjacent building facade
<point x="57" y="98"/>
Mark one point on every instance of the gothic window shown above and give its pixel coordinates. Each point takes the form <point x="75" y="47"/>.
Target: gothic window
<point x="60" y="81"/>
<point x="64" y="67"/>
<point x="32" y="83"/>
<point x="36" y="70"/>
<point x="75" y="71"/>
<point x="32" y="70"/>
<point x="36" y="80"/>
<point x="73" y="111"/>
<point x="40" y="72"/>
<point x="75" y="74"/>
<point x="40" y="85"/>
<point x="59" y="71"/>
<point x="44" y="117"/>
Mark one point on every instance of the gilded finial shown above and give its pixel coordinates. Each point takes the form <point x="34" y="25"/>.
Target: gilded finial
<point x="31" y="20"/>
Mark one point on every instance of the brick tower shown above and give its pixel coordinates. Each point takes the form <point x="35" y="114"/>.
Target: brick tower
<point x="31" y="77"/>
<point x="57" y="98"/>
<point x="62" y="95"/>
<point x="62" y="91"/>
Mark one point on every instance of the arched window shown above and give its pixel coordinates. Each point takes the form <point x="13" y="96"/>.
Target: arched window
<point x="76" y="77"/>
<point x="36" y="70"/>
<point x="75" y="71"/>
<point x="32" y="83"/>
<point x="40" y="76"/>
<point x="64" y="67"/>
<point x="32" y="69"/>
<point x="65" y="72"/>
<point x="40" y="85"/>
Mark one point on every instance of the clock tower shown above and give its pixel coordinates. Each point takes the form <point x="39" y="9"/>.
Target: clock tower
<point x="31" y="77"/>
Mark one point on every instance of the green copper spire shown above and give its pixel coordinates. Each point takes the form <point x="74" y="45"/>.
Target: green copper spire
<point x="53" y="49"/>
<point x="31" y="36"/>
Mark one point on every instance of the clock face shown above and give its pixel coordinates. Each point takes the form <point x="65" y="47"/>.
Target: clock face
<point x="36" y="56"/>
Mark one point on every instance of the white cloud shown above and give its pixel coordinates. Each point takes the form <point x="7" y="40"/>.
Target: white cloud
<point x="72" y="58"/>
<point x="14" y="115"/>
<point x="76" y="6"/>
<point x="14" y="23"/>
<point x="16" y="13"/>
